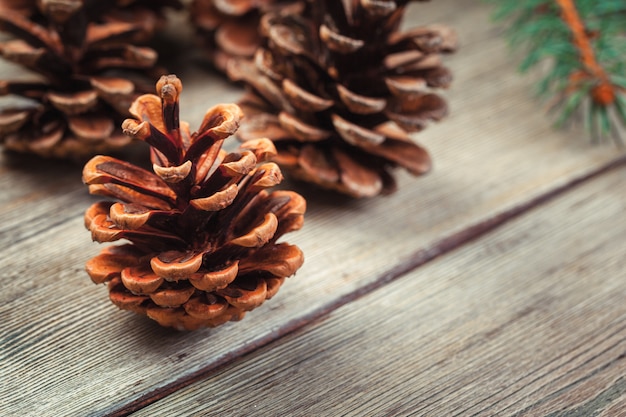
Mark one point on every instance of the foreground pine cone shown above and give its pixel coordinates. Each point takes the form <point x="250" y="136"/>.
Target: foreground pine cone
<point x="74" y="108"/>
<point x="202" y="227"/>
<point x="229" y="28"/>
<point x="339" y="89"/>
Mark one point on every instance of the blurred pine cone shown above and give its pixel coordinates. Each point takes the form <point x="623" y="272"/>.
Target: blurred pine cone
<point x="86" y="69"/>
<point x="229" y="28"/>
<point x="202" y="227"/>
<point x="339" y="88"/>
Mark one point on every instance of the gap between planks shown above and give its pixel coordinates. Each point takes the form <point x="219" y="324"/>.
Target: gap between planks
<point x="414" y="261"/>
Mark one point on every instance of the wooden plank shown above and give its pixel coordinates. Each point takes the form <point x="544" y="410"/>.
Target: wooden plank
<point x="66" y="350"/>
<point x="528" y="320"/>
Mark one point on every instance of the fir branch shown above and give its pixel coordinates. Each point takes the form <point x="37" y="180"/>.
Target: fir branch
<point x="585" y="41"/>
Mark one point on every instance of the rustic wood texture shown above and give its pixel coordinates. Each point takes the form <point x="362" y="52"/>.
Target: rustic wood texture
<point x="528" y="320"/>
<point x="65" y="350"/>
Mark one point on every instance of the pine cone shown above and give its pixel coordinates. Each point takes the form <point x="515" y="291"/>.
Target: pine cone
<point x="202" y="227"/>
<point x="229" y="28"/>
<point x="74" y="109"/>
<point x="339" y="89"/>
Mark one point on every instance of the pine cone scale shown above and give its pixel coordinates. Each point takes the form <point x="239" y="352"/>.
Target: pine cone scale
<point x="13" y="121"/>
<point x="104" y="169"/>
<point x="91" y="128"/>
<point x="175" y="265"/>
<point x="238" y="39"/>
<point x="140" y="281"/>
<point x="360" y="104"/>
<point x="205" y="311"/>
<point x="125" y="299"/>
<point x="280" y="260"/>
<point x="359" y="179"/>
<point x="72" y="104"/>
<point x="317" y="166"/>
<point x="216" y="279"/>
<point x="172" y="297"/>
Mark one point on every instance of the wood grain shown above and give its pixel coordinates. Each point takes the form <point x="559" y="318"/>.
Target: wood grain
<point x="65" y="350"/>
<point x="529" y="320"/>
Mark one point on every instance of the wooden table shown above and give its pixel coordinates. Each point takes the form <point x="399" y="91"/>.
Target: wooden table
<point x="493" y="286"/>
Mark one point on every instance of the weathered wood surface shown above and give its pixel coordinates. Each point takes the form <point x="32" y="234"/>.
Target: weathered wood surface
<point x="65" y="350"/>
<point x="528" y="320"/>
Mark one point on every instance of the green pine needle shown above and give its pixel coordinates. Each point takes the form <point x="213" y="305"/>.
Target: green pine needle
<point x="536" y="26"/>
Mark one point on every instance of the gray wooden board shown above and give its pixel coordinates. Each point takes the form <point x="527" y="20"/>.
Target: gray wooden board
<point x="65" y="350"/>
<point x="528" y="320"/>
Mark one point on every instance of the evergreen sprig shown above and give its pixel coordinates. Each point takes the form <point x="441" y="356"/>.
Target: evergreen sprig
<point x="585" y="43"/>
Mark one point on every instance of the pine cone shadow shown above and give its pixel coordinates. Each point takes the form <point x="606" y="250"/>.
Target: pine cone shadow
<point x="319" y="198"/>
<point x="39" y="169"/>
<point x="38" y="172"/>
<point x="150" y="336"/>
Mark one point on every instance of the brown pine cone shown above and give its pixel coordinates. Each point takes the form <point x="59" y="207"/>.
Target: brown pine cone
<point x="202" y="227"/>
<point x="74" y="109"/>
<point x="339" y="88"/>
<point x="229" y="28"/>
